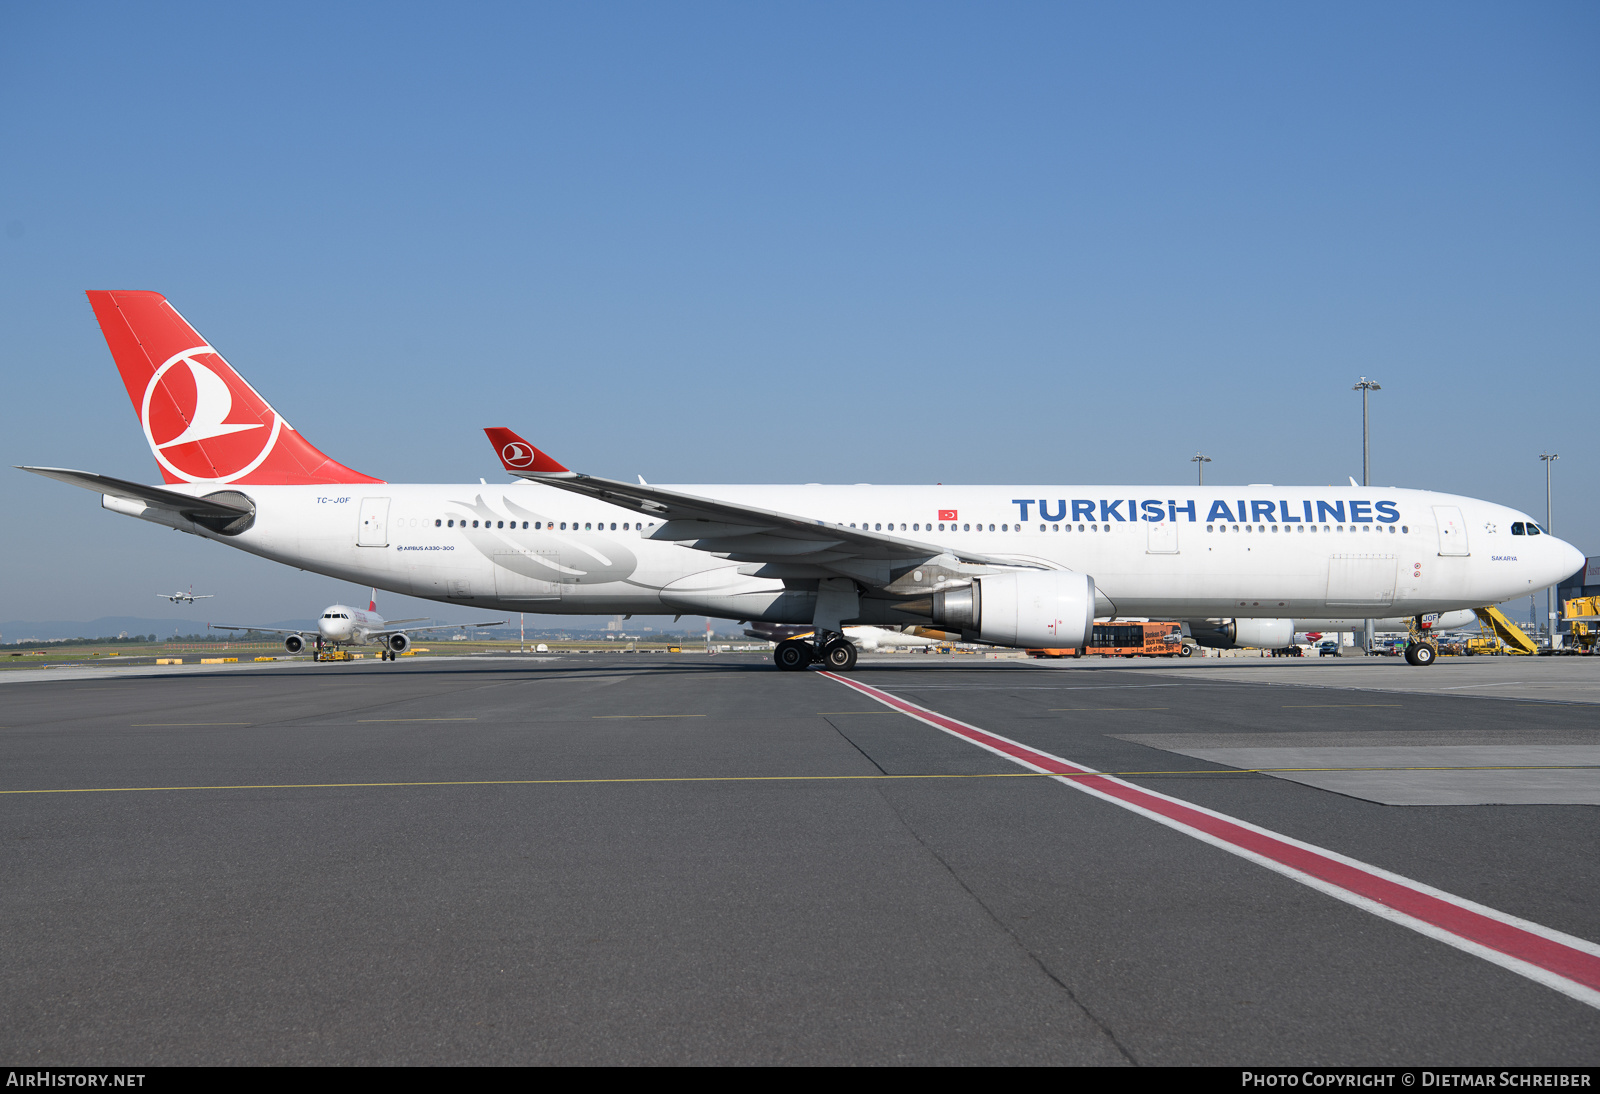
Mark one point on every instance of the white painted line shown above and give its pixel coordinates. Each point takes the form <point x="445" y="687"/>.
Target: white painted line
<point x="1564" y="962"/>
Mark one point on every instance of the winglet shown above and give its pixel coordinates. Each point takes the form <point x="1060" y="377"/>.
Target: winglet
<point x="518" y="456"/>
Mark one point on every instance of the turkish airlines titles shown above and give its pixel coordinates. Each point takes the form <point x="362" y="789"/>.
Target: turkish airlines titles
<point x="1247" y="511"/>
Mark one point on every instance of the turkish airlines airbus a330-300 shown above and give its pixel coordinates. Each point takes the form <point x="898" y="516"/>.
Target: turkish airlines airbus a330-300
<point x="1024" y="566"/>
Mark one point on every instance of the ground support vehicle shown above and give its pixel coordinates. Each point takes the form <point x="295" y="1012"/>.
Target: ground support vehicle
<point x="1129" y="640"/>
<point x="1583" y="614"/>
<point x="1515" y="638"/>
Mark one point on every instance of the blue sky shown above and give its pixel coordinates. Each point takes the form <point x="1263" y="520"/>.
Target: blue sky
<point x="734" y="242"/>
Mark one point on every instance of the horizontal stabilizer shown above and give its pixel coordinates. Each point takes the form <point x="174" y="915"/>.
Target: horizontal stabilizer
<point x="155" y="496"/>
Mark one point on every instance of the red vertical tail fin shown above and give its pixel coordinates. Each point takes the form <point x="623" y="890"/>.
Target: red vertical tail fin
<point x="203" y="422"/>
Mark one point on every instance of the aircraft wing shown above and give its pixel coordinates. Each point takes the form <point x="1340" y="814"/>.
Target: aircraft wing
<point x="155" y="496"/>
<point x="740" y="533"/>
<point x="262" y="630"/>
<point x="391" y="629"/>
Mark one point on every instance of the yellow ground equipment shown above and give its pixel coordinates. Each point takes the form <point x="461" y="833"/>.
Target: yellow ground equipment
<point x="1495" y="622"/>
<point x="1583" y="613"/>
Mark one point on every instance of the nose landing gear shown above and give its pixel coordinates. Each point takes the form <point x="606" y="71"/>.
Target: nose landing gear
<point x="1423" y="649"/>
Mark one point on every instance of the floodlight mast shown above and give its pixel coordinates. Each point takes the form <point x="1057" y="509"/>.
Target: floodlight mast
<point x="1366" y="386"/>
<point x="1550" y="593"/>
<point x="1200" y="462"/>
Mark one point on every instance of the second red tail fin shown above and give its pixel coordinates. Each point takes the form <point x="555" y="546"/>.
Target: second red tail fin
<point x="518" y="456"/>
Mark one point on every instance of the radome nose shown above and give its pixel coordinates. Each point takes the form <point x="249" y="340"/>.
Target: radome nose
<point x="1571" y="559"/>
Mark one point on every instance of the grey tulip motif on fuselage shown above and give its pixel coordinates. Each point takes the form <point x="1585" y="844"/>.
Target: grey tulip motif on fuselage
<point x="582" y="557"/>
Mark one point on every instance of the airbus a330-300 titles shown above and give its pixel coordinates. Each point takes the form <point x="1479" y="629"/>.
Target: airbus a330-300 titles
<point x="1023" y="566"/>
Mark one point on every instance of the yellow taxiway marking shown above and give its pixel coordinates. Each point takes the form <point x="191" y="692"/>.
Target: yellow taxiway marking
<point x="151" y="725"/>
<point x="416" y="719"/>
<point x="1062" y="710"/>
<point x="648" y="716"/>
<point x="790" y="778"/>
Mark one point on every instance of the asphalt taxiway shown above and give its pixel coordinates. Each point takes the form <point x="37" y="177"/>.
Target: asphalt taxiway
<point x="615" y="859"/>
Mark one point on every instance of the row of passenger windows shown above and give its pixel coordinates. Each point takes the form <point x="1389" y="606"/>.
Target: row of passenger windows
<point x="867" y="526"/>
<point x="1312" y="527"/>
<point x="1516" y="529"/>
<point x="550" y="526"/>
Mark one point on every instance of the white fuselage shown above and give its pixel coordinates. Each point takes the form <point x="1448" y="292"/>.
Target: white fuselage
<point x="1153" y="552"/>
<point x="342" y="625"/>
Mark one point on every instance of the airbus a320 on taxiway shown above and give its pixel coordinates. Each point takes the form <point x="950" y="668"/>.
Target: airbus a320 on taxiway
<point x="340" y="625"/>
<point x="1023" y="566"/>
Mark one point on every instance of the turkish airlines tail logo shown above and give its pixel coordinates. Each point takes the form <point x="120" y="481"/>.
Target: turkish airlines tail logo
<point x="202" y="421"/>
<point x="517" y="454"/>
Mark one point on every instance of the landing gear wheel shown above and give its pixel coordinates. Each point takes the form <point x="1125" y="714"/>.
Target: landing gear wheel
<point x="792" y="655"/>
<point x="1421" y="654"/>
<point x="840" y="655"/>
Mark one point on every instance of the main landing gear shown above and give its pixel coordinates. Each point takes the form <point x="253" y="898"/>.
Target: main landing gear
<point x="834" y="651"/>
<point x="1423" y="649"/>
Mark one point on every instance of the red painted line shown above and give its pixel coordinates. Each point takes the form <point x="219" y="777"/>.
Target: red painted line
<point x="1568" y="964"/>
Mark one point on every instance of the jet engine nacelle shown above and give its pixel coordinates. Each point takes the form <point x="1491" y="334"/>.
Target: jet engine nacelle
<point x="1032" y="609"/>
<point x="399" y="643"/>
<point x="1234" y="634"/>
<point x="294" y="643"/>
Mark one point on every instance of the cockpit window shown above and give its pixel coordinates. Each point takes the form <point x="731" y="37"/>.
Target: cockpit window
<point x="1534" y="529"/>
<point x="1517" y="529"/>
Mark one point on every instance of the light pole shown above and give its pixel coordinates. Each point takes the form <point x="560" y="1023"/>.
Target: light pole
<point x="1550" y="593"/>
<point x="1365" y="387"/>
<point x="1200" y="462"/>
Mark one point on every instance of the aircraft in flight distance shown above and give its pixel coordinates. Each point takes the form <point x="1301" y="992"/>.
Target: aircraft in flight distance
<point x="181" y="597"/>
<point x="342" y="625"/>
<point x="1025" y="566"/>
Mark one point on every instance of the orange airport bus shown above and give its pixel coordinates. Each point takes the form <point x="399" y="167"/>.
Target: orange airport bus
<point x="1128" y="640"/>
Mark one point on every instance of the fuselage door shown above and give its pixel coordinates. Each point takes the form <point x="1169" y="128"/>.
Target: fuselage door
<point x="1361" y="581"/>
<point x="1452" y="530"/>
<point x="374" y="529"/>
<point x="1163" y="538"/>
<point x="527" y="575"/>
